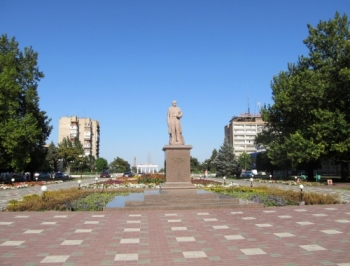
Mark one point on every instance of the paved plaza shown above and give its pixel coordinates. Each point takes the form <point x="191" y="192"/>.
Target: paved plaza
<point x="298" y="235"/>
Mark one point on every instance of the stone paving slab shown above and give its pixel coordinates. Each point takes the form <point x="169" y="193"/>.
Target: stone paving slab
<point x="302" y="235"/>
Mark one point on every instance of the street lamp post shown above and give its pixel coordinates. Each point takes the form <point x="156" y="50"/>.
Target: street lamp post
<point x="12" y="181"/>
<point x="251" y="181"/>
<point x="224" y="180"/>
<point x="79" y="182"/>
<point x="43" y="189"/>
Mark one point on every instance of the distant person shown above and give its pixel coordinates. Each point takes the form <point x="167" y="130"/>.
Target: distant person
<point x="174" y="125"/>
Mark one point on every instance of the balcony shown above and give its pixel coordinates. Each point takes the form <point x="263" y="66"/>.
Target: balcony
<point x="87" y="136"/>
<point x="74" y="135"/>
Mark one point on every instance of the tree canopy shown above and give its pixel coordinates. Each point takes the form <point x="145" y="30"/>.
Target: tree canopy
<point x="24" y="128"/>
<point x="226" y="163"/>
<point x="101" y="164"/>
<point x="120" y="165"/>
<point x="310" y="117"/>
<point x="245" y="160"/>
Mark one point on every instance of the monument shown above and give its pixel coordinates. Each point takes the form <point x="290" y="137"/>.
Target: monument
<point x="177" y="154"/>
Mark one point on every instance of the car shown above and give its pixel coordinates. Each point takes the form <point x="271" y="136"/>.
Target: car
<point x="128" y="174"/>
<point x="43" y="176"/>
<point x="105" y="174"/>
<point x="7" y="177"/>
<point x="247" y="174"/>
<point x="61" y="175"/>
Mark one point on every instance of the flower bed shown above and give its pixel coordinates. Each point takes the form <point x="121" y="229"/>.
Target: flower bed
<point x="286" y="182"/>
<point x="18" y="185"/>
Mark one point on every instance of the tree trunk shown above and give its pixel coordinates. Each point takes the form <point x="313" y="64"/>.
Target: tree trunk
<point x="344" y="171"/>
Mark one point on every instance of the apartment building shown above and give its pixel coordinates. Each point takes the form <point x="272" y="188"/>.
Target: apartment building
<point x="241" y="132"/>
<point x="87" y="130"/>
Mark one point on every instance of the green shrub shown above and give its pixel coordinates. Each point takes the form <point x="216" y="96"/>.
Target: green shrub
<point x="275" y="196"/>
<point x="56" y="200"/>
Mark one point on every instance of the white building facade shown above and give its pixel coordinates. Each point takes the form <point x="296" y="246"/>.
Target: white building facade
<point x="241" y="132"/>
<point x="87" y="130"/>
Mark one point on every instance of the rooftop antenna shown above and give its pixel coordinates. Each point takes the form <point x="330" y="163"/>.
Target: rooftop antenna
<point x="248" y="100"/>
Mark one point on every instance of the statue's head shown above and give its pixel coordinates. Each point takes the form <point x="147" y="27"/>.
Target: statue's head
<point x="174" y="103"/>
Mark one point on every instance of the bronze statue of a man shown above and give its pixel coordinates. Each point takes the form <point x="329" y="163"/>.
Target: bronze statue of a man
<point x="174" y="125"/>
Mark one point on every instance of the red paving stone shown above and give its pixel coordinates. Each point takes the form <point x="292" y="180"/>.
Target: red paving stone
<point x="157" y="243"/>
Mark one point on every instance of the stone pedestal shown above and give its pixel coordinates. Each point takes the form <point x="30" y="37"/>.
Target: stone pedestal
<point x="177" y="167"/>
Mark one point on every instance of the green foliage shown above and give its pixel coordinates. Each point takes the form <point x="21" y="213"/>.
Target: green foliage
<point x="226" y="163"/>
<point x="263" y="162"/>
<point x="24" y="128"/>
<point x="271" y="196"/>
<point x="81" y="199"/>
<point x="52" y="158"/>
<point x="119" y="165"/>
<point x="309" y="120"/>
<point x="101" y="163"/>
<point x="245" y="160"/>
<point x="71" y="153"/>
<point x="195" y="166"/>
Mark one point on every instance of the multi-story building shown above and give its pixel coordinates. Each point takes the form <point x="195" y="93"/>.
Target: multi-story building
<point x="87" y="130"/>
<point x="241" y="132"/>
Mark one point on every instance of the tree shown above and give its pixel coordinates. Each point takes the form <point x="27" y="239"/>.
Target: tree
<point x="194" y="164"/>
<point x="226" y="163"/>
<point x="71" y="153"/>
<point x="263" y="162"/>
<point x="101" y="163"/>
<point x="24" y="128"/>
<point x="120" y="165"/>
<point x="245" y="160"/>
<point x="52" y="157"/>
<point x="90" y="162"/>
<point x="310" y="118"/>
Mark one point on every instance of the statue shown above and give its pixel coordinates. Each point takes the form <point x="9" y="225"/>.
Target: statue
<point x="174" y="125"/>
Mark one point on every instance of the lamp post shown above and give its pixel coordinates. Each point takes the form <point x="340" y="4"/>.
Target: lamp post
<point x="96" y="178"/>
<point x="296" y="178"/>
<point x="301" y="194"/>
<point x="12" y="181"/>
<point x="79" y="182"/>
<point x="251" y="181"/>
<point x="43" y="189"/>
<point x="36" y="179"/>
<point x="270" y="177"/>
<point x="224" y="179"/>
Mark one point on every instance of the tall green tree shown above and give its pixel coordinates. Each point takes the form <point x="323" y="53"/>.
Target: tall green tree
<point x="24" y="128"/>
<point x="120" y="165"/>
<point x="72" y="153"/>
<point x="310" y="118"/>
<point x="195" y="165"/>
<point x="52" y="157"/>
<point x="101" y="163"/>
<point x="245" y="160"/>
<point x="226" y="162"/>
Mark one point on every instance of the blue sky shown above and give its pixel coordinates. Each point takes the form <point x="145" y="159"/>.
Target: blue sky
<point x="123" y="62"/>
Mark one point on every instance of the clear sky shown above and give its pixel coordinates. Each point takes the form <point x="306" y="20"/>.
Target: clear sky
<point x="123" y="63"/>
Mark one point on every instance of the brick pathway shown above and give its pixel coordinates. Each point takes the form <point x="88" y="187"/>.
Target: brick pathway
<point x="305" y="235"/>
<point x="291" y="236"/>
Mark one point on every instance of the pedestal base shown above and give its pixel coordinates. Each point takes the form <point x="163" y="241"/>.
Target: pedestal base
<point x="177" y="167"/>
